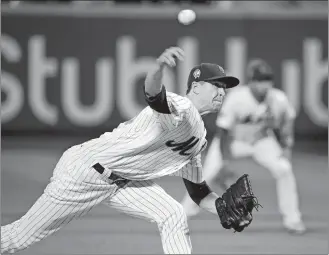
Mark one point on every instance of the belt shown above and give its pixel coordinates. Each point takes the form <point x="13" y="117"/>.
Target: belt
<point x="113" y="178"/>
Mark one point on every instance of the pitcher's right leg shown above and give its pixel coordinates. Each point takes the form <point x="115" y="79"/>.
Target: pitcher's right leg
<point x="61" y="202"/>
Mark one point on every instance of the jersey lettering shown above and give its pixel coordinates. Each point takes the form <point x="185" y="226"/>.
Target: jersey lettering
<point x="251" y="119"/>
<point x="184" y="146"/>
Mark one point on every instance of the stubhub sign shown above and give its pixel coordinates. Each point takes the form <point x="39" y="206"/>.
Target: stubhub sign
<point x="82" y="73"/>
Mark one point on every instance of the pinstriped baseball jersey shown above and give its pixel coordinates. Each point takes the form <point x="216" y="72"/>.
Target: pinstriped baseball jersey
<point x="250" y="120"/>
<point x="192" y="171"/>
<point x="72" y="194"/>
<point x="152" y="144"/>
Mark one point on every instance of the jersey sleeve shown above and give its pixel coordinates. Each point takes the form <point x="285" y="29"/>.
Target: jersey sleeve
<point x="180" y="109"/>
<point x="287" y="111"/>
<point x="285" y="129"/>
<point x="171" y="109"/>
<point x="192" y="171"/>
<point x="226" y="117"/>
<point x="158" y="102"/>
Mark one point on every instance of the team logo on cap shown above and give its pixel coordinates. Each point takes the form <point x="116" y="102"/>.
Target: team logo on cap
<point x="197" y="73"/>
<point x="221" y="69"/>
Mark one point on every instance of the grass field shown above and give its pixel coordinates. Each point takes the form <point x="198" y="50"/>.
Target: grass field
<point x="27" y="164"/>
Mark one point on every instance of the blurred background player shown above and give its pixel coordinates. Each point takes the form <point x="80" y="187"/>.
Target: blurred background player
<point x="256" y="120"/>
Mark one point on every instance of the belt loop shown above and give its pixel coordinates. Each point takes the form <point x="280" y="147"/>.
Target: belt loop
<point x="113" y="178"/>
<point x="99" y="168"/>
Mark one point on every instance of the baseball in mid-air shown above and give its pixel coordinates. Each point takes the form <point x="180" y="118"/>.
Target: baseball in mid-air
<point x="186" y="17"/>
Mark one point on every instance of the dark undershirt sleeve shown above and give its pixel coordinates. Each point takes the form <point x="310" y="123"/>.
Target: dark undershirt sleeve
<point x="197" y="191"/>
<point x="158" y="102"/>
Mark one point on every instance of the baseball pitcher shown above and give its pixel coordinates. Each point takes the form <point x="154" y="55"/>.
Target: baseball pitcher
<point x="118" y="168"/>
<point x="256" y="120"/>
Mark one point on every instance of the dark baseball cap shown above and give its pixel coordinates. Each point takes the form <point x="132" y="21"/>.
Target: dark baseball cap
<point x="211" y="72"/>
<point x="259" y="70"/>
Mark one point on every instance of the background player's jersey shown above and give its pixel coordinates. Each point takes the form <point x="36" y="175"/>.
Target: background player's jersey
<point x="153" y="144"/>
<point x="248" y="120"/>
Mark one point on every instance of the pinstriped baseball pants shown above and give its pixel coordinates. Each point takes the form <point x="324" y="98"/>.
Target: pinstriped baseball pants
<point x="75" y="189"/>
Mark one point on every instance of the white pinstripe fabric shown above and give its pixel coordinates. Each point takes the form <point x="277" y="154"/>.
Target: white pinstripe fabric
<point x="147" y="200"/>
<point x="191" y="171"/>
<point x="136" y="150"/>
<point x="66" y="197"/>
<point x="70" y="195"/>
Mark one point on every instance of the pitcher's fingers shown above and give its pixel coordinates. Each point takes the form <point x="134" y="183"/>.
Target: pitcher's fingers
<point x="179" y="54"/>
<point x="180" y="51"/>
<point x="180" y="57"/>
<point x="170" y="61"/>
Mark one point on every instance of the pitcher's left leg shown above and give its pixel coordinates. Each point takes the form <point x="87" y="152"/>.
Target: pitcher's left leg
<point x="147" y="200"/>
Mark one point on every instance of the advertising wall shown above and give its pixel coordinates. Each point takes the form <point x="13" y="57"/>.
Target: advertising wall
<point x="85" y="73"/>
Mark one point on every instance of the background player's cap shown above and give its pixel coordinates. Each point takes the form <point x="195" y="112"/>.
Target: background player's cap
<point x="259" y="70"/>
<point x="211" y="72"/>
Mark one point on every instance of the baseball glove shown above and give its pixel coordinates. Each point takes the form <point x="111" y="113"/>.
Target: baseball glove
<point x="235" y="206"/>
